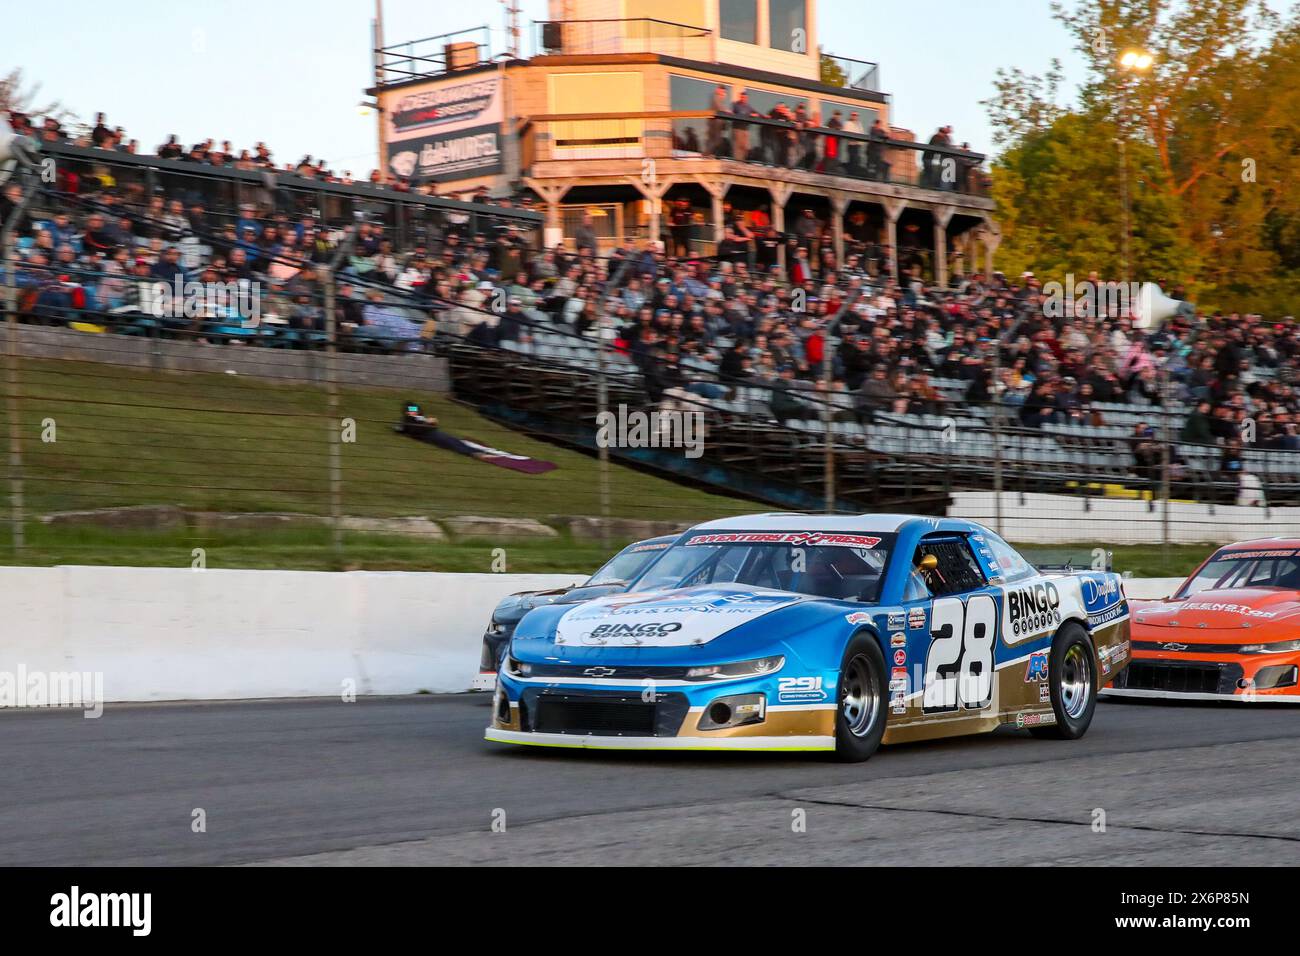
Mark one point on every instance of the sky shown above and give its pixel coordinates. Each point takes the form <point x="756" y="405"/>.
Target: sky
<point x="292" y="72"/>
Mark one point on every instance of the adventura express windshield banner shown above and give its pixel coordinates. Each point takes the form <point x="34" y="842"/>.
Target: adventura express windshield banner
<point x="446" y="131"/>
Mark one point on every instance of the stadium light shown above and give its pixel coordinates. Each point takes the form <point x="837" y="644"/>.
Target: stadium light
<point x="1136" y="60"/>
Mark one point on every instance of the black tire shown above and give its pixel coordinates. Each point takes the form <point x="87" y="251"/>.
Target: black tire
<point x="1072" y="664"/>
<point x="859" y="727"/>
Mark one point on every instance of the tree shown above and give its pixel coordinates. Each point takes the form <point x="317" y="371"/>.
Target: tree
<point x="832" y="74"/>
<point x="1059" y="207"/>
<point x="1210" y="135"/>
<point x="14" y="97"/>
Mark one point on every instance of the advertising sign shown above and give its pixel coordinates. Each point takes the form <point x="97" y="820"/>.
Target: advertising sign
<point x="447" y="130"/>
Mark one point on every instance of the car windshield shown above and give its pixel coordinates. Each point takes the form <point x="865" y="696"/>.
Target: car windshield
<point x="627" y="564"/>
<point x="847" y="567"/>
<point x="1264" y="568"/>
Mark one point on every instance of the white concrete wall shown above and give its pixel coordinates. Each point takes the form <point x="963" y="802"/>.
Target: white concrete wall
<point x="1150" y="588"/>
<point x="1064" y="519"/>
<point x="178" y="634"/>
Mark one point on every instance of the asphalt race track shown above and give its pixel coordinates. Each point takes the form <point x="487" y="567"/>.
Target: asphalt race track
<point x="411" y="781"/>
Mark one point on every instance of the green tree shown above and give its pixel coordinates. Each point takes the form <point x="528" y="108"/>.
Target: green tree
<point x="1211" y="140"/>
<point x="1059" y="205"/>
<point x="832" y="73"/>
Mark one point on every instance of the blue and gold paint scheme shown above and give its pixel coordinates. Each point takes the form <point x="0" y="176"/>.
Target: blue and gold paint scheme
<point x="648" y="669"/>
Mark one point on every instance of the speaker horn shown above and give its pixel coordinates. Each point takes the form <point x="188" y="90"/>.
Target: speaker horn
<point x="1153" y="307"/>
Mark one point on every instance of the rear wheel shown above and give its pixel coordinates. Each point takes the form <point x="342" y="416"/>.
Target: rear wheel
<point x="1073" y="681"/>
<point x="863" y="694"/>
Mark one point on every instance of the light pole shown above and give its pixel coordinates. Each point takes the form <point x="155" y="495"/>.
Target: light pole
<point x="1130" y="61"/>
<point x="18" y="158"/>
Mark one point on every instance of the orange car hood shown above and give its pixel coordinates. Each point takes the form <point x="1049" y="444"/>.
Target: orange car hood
<point x="1237" y="609"/>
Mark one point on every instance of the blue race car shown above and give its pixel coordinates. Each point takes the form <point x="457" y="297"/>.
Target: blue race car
<point x="809" y="632"/>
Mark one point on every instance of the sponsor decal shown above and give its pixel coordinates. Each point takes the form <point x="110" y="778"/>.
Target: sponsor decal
<point x="1035" y="720"/>
<point x="896" y="620"/>
<point x="1104" y="591"/>
<point x="1246" y="555"/>
<point x="807" y="539"/>
<point x="1044" y="693"/>
<point x="898" y="703"/>
<point x="1241" y="609"/>
<point x="667" y="618"/>
<point x="993" y="566"/>
<point x="630" y="633"/>
<point x="900" y="657"/>
<point x="1108" y="616"/>
<point x="916" y="619"/>
<point x="1032" y="609"/>
<point x="651" y="547"/>
<point x="1114" y="653"/>
<point x="1036" y="669"/>
<point x="858" y="617"/>
<point x="898" y="679"/>
<point x="800" y="690"/>
<point x="898" y="640"/>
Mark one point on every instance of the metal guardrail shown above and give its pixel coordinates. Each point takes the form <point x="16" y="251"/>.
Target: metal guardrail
<point x="858" y="74"/>
<point x="767" y="142"/>
<point x="431" y="57"/>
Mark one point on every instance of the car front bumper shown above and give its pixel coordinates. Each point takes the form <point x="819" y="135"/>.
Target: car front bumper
<point x="686" y="742"/>
<point x="1244" y="678"/>
<point x="628" y="716"/>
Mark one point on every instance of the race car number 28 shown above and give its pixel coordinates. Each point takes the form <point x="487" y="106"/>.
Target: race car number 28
<point x="959" y="664"/>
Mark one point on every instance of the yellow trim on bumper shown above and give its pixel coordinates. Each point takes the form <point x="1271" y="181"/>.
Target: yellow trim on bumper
<point x="597" y="742"/>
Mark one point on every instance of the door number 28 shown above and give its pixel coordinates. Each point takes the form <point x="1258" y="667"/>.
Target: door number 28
<point x="959" y="664"/>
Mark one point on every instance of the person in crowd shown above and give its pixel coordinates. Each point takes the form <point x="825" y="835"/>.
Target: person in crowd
<point x="740" y="127"/>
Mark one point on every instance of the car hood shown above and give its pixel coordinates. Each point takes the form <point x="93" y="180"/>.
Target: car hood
<point x="1234" y="609"/>
<point x="681" y="617"/>
<point x="514" y="606"/>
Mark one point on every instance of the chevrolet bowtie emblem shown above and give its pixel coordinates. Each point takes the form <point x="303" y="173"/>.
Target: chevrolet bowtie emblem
<point x="1174" y="646"/>
<point x="598" y="671"/>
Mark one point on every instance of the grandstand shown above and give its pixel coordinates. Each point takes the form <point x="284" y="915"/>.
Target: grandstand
<point x="831" y="366"/>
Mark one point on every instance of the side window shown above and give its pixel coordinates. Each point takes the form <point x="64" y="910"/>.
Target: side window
<point x="955" y="570"/>
<point x="727" y="568"/>
<point x="916" y="589"/>
<point x="1011" y="565"/>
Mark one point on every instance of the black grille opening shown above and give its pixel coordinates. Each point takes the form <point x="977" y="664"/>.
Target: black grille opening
<point x="560" y="716"/>
<point x="1174" y="678"/>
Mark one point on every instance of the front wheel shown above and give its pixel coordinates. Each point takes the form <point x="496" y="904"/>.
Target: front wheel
<point x="863" y="695"/>
<point x="1073" y="682"/>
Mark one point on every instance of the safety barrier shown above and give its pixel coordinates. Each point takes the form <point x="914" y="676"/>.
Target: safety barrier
<point x="178" y="634"/>
<point x="174" y="634"/>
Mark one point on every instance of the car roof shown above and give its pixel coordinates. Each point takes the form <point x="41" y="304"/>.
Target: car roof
<point x="661" y="539"/>
<point x="1256" y="543"/>
<point x="796" y="521"/>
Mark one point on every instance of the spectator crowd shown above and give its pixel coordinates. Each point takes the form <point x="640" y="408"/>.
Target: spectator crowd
<point x="759" y="313"/>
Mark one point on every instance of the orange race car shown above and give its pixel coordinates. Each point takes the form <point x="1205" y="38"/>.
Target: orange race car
<point x="1230" y="632"/>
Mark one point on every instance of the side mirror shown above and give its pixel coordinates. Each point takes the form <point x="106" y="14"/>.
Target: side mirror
<point x="928" y="562"/>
